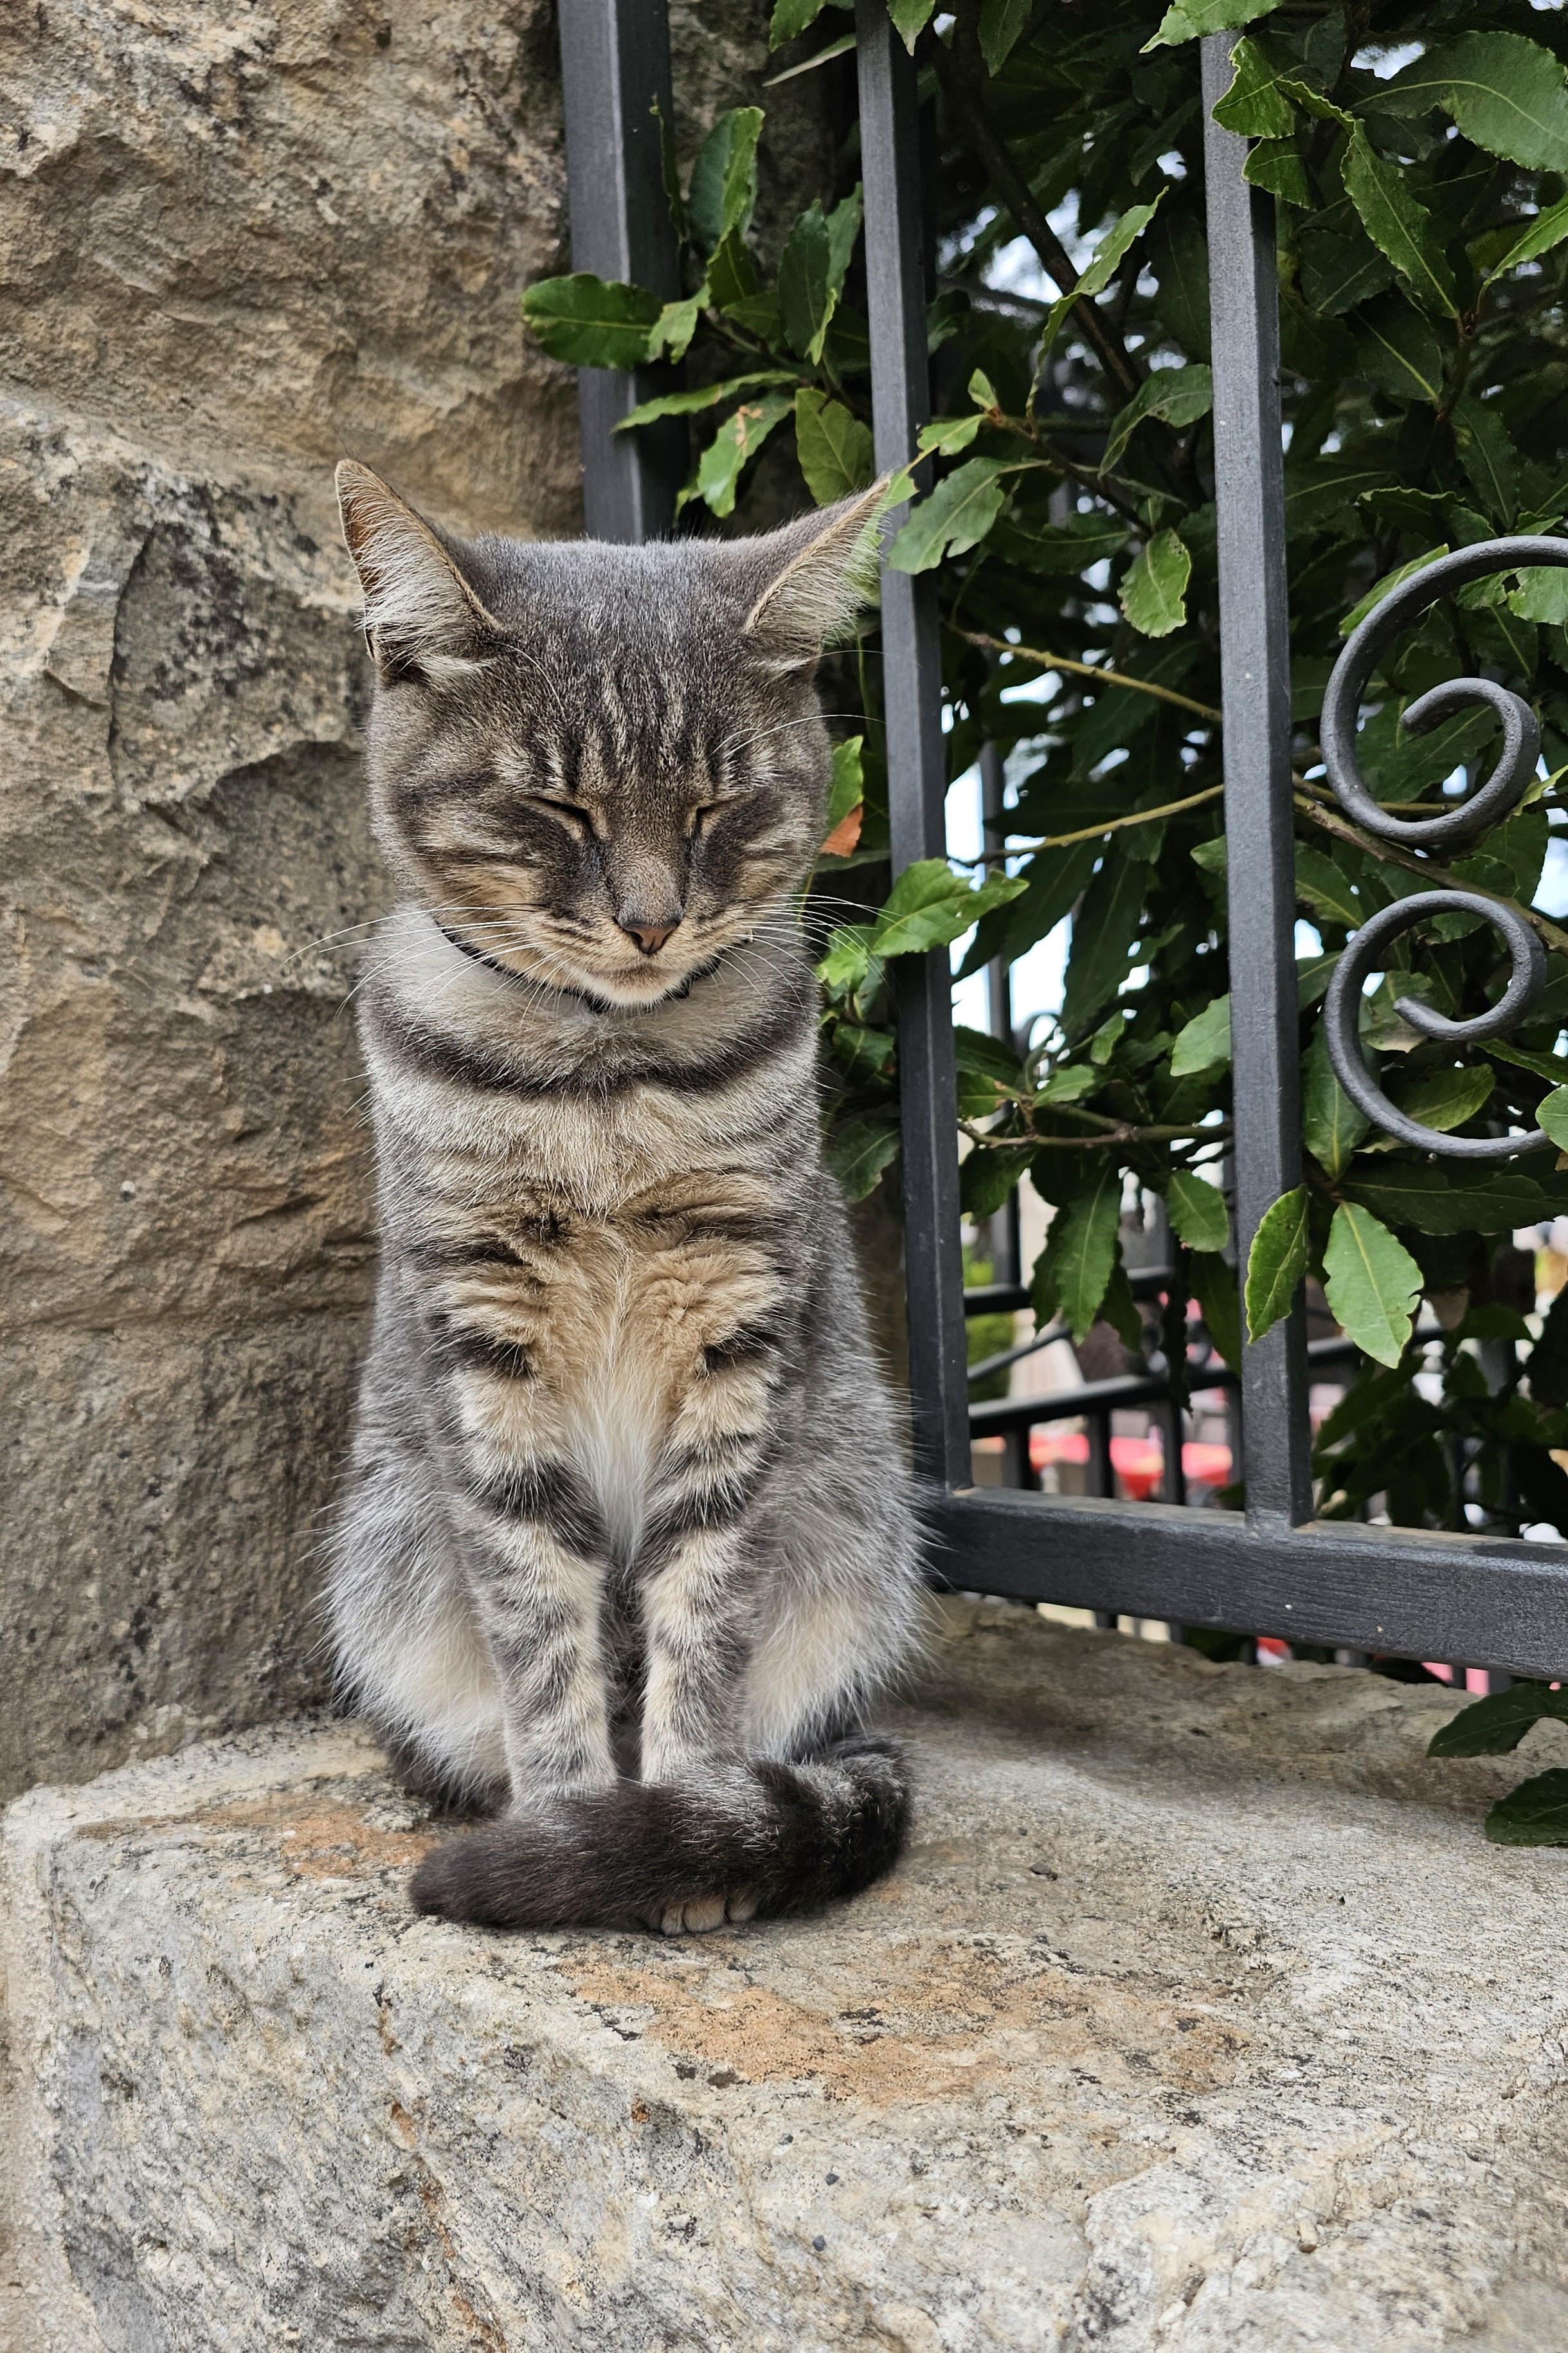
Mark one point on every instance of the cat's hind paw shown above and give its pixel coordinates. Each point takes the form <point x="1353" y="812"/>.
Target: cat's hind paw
<point x="698" y="1915"/>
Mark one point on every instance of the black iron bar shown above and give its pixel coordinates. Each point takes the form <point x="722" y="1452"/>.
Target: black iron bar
<point x="1255" y="670"/>
<point x="917" y="764"/>
<point x="614" y="69"/>
<point x="1405" y="1591"/>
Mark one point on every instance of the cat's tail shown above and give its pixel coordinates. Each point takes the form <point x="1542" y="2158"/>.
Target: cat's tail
<point x="760" y="1839"/>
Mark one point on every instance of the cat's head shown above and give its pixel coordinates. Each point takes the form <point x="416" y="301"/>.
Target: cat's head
<point x="601" y="767"/>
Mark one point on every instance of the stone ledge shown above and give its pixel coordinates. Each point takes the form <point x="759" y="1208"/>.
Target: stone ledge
<point x="1200" y="2016"/>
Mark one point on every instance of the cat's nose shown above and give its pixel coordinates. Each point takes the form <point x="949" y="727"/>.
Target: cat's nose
<point x="649" y="937"/>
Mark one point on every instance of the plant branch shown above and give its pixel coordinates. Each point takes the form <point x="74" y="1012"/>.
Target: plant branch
<point x="1117" y="1131"/>
<point x="958" y="71"/>
<point x="1094" y="671"/>
<point x="1093" y="832"/>
<point x="1440" y="876"/>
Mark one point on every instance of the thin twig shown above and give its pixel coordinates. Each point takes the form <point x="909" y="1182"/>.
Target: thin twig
<point x="1117" y="1131"/>
<point x="1093" y="832"/>
<point x="1440" y="876"/>
<point x="1092" y="669"/>
<point x="956" y="71"/>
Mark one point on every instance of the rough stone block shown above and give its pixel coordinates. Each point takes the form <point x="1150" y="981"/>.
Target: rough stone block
<point x="1200" y="2016"/>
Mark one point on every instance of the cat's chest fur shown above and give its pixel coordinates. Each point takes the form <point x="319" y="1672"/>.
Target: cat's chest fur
<point x="594" y="1247"/>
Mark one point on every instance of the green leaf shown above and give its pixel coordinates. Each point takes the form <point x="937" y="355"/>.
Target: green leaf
<point x="1196" y="1210"/>
<point x="1535" y="1814"/>
<point x="1203" y="1042"/>
<point x="1052" y="881"/>
<point x="910" y="19"/>
<point x="1214" y="1289"/>
<point x="737" y="441"/>
<point x="706" y="396"/>
<point x="1396" y="347"/>
<point x="844" y="224"/>
<point x="1399" y="227"/>
<point x="1446" y="1098"/>
<point x="1331" y="1125"/>
<point x="859" y="1150"/>
<point x="1320" y="885"/>
<point x="838" y="48"/>
<point x="948" y="435"/>
<point x="1080" y="1247"/>
<point x="1070" y="1082"/>
<point x="672" y="333"/>
<point x="1188" y="20"/>
<point x="806" y="296"/>
<point x="592" y="321"/>
<point x="1317" y="103"/>
<point x="929" y="906"/>
<point x="957" y="515"/>
<point x="1552" y="1115"/>
<point x="1104" y="942"/>
<point x="1545" y="232"/>
<point x="1489" y="457"/>
<point x="1001" y="23"/>
<point x="833" y="447"/>
<point x="733" y="277"/>
<point x="1505" y="92"/>
<point x="791" y="17"/>
<point x="1410" y="1193"/>
<point x="1380" y="588"/>
<point x="1070" y="547"/>
<point x="1373" y="1283"/>
<point x="1542" y="594"/>
<point x="1278" y="166"/>
<point x="846" y="965"/>
<point x="1154" y="591"/>
<point x="1495" y="1726"/>
<point x="1102" y="268"/>
<point x="1179" y="396"/>
<point x="723" y="188"/>
<point x="1253" y="104"/>
<point x="1275" y="1262"/>
<point x="846" y="789"/>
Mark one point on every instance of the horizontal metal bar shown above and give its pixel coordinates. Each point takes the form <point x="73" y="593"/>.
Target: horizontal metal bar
<point x="994" y="1299"/>
<point x="1004" y="1298"/>
<point x="1401" y="1590"/>
<point x="1058" y="1405"/>
<point x="1061" y="1404"/>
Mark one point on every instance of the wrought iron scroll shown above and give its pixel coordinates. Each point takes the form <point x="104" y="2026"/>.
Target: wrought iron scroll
<point x="1483" y="806"/>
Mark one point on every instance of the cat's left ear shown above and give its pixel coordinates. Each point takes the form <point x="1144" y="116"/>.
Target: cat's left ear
<point x="818" y="573"/>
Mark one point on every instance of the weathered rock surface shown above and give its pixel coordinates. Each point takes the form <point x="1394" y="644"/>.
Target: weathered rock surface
<point x="233" y="242"/>
<point x="1200" y="2016"/>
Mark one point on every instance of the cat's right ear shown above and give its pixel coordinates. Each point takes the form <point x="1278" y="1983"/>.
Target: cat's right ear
<point x="422" y="618"/>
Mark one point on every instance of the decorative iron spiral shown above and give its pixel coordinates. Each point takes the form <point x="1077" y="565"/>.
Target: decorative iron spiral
<point x="1485" y="806"/>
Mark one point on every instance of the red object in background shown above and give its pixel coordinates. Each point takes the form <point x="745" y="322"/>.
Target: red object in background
<point x="1139" y="1462"/>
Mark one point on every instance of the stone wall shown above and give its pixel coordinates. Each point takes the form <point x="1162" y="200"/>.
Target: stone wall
<point x="235" y="242"/>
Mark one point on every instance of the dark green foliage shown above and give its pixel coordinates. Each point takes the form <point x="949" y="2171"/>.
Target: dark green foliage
<point x="1495" y="1726"/>
<point x="1423" y="225"/>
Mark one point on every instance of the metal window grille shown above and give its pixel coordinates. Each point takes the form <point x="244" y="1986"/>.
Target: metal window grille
<point x="1272" y="1568"/>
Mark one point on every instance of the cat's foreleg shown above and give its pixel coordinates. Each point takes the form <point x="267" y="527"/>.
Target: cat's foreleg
<point x="537" y="1576"/>
<point x="696" y="1626"/>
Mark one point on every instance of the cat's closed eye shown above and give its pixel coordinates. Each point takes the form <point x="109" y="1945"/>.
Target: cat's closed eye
<point x="576" y="821"/>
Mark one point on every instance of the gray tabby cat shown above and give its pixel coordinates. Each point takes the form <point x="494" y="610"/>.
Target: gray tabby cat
<point x="628" y="1543"/>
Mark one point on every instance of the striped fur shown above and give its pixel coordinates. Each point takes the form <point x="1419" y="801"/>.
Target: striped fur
<point x="627" y="1547"/>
